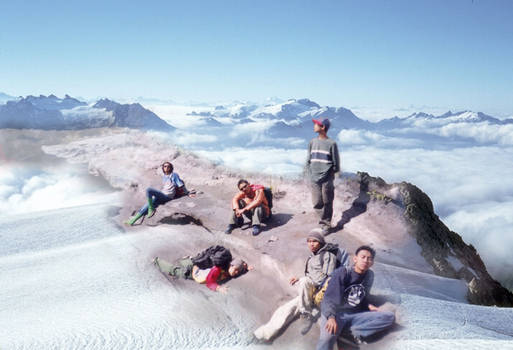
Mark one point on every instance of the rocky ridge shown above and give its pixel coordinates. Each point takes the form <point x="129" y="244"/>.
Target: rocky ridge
<point x="397" y="219"/>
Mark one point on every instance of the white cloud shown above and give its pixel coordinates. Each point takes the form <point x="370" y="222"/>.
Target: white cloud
<point x="481" y="132"/>
<point x="26" y="190"/>
<point x="489" y="227"/>
<point x="177" y="115"/>
<point x="268" y="160"/>
<point x="352" y="137"/>
<point x="93" y="115"/>
<point x="252" y="128"/>
<point x="189" y="139"/>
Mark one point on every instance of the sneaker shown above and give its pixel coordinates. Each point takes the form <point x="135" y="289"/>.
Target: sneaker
<point x="229" y="229"/>
<point x="325" y="230"/>
<point x="256" y="230"/>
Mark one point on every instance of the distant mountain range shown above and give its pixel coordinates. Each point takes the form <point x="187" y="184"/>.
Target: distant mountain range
<point x="53" y="113"/>
<point x="275" y="122"/>
<point x="293" y="119"/>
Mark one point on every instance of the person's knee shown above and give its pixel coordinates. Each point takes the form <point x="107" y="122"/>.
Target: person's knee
<point x="305" y="281"/>
<point x="388" y="317"/>
<point x="150" y="192"/>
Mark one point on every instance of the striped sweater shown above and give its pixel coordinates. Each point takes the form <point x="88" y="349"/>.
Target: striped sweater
<point x="322" y="160"/>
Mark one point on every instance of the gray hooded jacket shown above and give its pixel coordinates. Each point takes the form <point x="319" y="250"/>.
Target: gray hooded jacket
<point x="320" y="265"/>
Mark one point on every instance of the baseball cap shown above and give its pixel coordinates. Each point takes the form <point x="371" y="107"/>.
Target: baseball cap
<point x="323" y="122"/>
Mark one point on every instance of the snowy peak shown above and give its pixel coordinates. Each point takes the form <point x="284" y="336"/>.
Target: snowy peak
<point x="52" y="102"/>
<point x="53" y="113"/>
<point x="107" y="104"/>
<point x="133" y="116"/>
<point x="448" y="117"/>
<point x="4" y="98"/>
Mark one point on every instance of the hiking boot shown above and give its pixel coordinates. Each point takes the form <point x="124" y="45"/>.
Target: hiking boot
<point x="307" y="321"/>
<point x="151" y="212"/>
<point x="151" y="208"/>
<point x="256" y="230"/>
<point x="133" y="219"/>
<point x="230" y="228"/>
<point x="325" y="228"/>
<point x="350" y="339"/>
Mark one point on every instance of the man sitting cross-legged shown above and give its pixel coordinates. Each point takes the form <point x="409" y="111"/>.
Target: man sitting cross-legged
<point x="345" y="308"/>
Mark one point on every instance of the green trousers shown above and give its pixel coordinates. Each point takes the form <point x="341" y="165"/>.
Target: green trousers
<point x="182" y="268"/>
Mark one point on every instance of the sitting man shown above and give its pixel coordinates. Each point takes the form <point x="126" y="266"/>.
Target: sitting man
<point x="319" y="265"/>
<point x="250" y="202"/>
<point x="345" y="308"/>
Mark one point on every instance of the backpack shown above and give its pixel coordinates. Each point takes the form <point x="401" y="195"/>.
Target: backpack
<point x="319" y="295"/>
<point x="216" y="255"/>
<point x="268" y="192"/>
<point x="342" y="260"/>
<point x="340" y="253"/>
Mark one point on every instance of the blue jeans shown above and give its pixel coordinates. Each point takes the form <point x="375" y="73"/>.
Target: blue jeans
<point x="157" y="198"/>
<point x="361" y="324"/>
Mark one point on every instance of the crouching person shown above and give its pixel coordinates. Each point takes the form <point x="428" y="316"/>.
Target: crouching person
<point x="211" y="267"/>
<point x="319" y="265"/>
<point x="250" y="202"/>
<point x="345" y="309"/>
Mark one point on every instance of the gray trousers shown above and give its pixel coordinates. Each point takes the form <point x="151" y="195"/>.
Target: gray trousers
<point x="256" y="215"/>
<point x="322" y="199"/>
<point x="361" y="324"/>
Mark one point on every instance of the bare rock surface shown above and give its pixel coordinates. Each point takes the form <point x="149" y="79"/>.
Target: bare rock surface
<point x="397" y="220"/>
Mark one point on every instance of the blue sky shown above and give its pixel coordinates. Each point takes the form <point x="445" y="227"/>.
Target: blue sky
<point x="380" y="54"/>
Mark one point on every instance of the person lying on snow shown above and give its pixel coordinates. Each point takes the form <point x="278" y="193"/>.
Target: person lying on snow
<point x="172" y="187"/>
<point x="212" y="266"/>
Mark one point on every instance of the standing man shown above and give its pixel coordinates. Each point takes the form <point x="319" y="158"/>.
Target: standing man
<point x="250" y="202"/>
<point x="322" y="163"/>
<point x="345" y="308"/>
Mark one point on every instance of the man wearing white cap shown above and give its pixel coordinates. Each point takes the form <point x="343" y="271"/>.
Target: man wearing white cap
<point x="322" y="163"/>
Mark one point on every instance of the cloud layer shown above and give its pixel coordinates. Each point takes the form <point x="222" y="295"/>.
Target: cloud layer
<point x="24" y="189"/>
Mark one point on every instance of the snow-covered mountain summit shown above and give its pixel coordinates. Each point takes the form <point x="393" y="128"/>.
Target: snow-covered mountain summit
<point x="68" y="113"/>
<point x="5" y="97"/>
<point x="421" y="119"/>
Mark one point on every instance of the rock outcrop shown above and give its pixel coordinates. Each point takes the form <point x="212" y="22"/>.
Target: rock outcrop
<point x="446" y="251"/>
